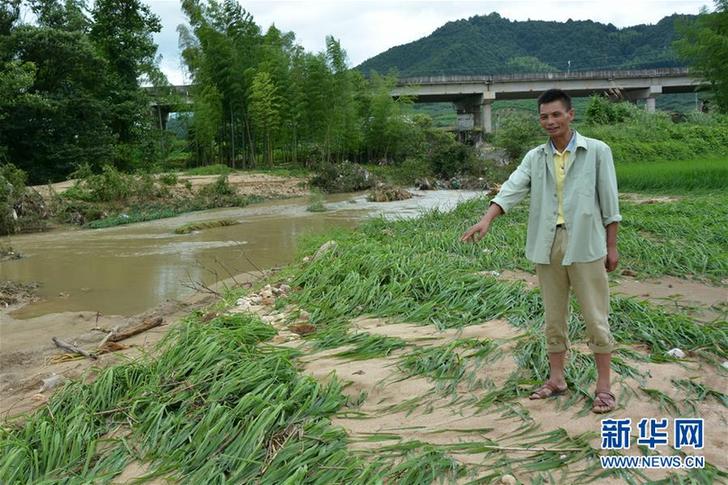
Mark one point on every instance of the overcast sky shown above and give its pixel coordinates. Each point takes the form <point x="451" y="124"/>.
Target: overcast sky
<point x="366" y="28"/>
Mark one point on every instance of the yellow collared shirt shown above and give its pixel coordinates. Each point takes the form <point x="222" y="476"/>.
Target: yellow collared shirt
<point x="560" y="160"/>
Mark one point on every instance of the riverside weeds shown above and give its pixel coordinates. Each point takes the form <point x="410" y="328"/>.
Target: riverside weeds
<point x="217" y="405"/>
<point x="446" y="364"/>
<point x="220" y="404"/>
<point x="418" y="271"/>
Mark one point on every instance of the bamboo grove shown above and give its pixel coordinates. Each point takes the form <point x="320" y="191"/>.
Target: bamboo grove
<point x="259" y="97"/>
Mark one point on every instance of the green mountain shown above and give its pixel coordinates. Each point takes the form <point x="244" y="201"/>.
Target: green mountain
<point x="491" y="44"/>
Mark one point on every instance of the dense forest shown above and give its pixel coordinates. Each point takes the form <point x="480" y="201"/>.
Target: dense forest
<point x="70" y="85"/>
<point x="492" y="44"/>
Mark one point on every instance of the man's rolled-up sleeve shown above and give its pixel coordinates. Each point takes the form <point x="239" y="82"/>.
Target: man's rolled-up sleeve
<point x="607" y="187"/>
<point x="516" y="187"/>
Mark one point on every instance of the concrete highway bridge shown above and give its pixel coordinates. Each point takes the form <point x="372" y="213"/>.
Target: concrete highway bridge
<point x="474" y="95"/>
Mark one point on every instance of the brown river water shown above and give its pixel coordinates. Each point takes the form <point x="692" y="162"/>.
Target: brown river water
<point x="126" y="270"/>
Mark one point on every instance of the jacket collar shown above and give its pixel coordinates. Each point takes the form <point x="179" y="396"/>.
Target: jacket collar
<point x="548" y="149"/>
<point x="578" y="140"/>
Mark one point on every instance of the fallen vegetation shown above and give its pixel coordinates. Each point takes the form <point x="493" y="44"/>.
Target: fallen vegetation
<point x="12" y="292"/>
<point x="388" y="193"/>
<point x="199" y="226"/>
<point x="220" y="402"/>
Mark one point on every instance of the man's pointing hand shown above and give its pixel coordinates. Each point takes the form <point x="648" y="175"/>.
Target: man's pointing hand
<point x="476" y="232"/>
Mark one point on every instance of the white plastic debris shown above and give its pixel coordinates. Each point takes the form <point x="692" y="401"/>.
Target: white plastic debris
<point x="725" y="364"/>
<point x="676" y="353"/>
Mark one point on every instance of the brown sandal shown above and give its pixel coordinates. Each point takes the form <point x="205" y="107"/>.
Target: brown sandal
<point x="547" y="390"/>
<point x="604" y="402"/>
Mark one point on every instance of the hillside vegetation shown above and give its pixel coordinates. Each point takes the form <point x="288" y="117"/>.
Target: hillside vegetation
<point x="495" y="45"/>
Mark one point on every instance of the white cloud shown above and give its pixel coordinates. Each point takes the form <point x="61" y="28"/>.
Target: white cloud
<point x="368" y="27"/>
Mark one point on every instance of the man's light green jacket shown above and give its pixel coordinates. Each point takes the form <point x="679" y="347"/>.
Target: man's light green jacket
<point x="590" y="200"/>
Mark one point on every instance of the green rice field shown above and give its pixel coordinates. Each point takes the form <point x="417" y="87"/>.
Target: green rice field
<point x="674" y="176"/>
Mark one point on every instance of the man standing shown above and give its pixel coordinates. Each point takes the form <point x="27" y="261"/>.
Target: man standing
<point x="572" y="237"/>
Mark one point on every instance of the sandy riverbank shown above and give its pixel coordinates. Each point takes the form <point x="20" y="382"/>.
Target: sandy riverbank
<point x="28" y="356"/>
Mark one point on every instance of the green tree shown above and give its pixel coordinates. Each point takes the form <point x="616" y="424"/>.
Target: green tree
<point x="221" y="49"/>
<point x="69" y="15"/>
<point x="388" y="129"/>
<point x="265" y="107"/>
<point x="122" y="32"/>
<point x="61" y="119"/>
<point x="704" y="44"/>
<point x="345" y="129"/>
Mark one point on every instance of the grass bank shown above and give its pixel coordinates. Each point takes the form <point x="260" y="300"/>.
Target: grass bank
<point x="171" y="208"/>
<point x="417" y="270"/>
<point x="219" y="404"/>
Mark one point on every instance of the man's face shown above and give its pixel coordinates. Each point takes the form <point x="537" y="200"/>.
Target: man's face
<point x="555" y="118"/>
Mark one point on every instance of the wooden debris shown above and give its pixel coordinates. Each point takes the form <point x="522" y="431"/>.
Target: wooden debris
<point x="72" y="348"/>
<point x="132" y="330"/>
<point x="112" y="347"/>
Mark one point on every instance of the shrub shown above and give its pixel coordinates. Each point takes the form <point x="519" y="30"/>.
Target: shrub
<point x="168" y="179"/>
<point x="107" y="186"/>
<point x="652" y="137"/>
<point x="601" y="111"/>
<point x="518" y="132"/>
<point x="387" y="193"/>
<point x="12" y="189"/>
<point x="217" y="169"/>
<point x="316" y="202"/>
<point x="220" y="188"/>
<point x="343" y="177"/>
<point x="447" y="157"/>
<point x="112" y="185"/>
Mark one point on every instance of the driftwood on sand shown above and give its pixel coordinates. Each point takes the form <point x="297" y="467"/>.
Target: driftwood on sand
<point x="132" y="330"/>
<point x="72" y="348"/>
<point x="108" y="344"/>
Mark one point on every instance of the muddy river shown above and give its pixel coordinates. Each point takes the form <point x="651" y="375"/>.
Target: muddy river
<point x="127" y="269"/>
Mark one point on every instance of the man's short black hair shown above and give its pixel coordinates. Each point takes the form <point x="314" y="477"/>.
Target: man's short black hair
<point x="554" y="95"/>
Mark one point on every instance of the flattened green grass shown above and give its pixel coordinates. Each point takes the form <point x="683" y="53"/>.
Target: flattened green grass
<point x="217" y="406"/>
<point x="418" y="271"/>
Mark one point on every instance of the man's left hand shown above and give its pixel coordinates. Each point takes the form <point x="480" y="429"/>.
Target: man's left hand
<point x="612" y="259"/>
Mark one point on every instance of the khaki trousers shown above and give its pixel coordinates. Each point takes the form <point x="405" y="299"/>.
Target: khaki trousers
<point x="591" y="287"/>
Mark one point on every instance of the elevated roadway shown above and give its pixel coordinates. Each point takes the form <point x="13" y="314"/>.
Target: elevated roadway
<point x="474" y="95"/>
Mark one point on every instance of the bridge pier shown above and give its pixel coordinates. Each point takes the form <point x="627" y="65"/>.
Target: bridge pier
<point x="486" y="111"/>
<point x="476" y="112"/>
<point x="161" y="114"/>
<point x="650" y="104"/>
<point x="648" y="94"/>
